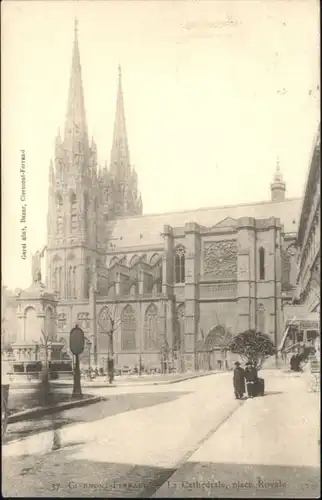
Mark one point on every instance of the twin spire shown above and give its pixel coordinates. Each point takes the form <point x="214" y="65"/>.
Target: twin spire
<point x="76" y="133"/>
<point x="120" y="149"/>
<point x="76" y="125"/>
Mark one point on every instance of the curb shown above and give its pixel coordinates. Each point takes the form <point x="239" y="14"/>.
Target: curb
<point x="185" y="378"/>
<point x="126" y="384"/>
<point x="38" y="412"/>
<point x="143" y="384"/>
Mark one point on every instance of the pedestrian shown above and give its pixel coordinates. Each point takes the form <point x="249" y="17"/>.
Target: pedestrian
<point x="251" y="379"/>
<point x="292" y="363"/>
<point x="239" y="381"/>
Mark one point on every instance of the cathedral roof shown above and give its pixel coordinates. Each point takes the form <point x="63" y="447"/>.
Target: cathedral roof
<point x="147" y="230"/>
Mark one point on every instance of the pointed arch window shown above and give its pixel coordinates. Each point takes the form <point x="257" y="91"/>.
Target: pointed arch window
<point x="180" y="254"/>
<point x="73" y="212"/>
<point x="128" y="323"/>
<point x="286" y="268"/>
<point x="151" y="339"/>
<point x="261" y="263"/>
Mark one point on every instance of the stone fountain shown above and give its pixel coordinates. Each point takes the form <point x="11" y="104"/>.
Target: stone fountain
<point x="37" y="345"/>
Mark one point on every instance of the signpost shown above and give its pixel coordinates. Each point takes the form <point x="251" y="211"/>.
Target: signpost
<point x="76" y="345"/>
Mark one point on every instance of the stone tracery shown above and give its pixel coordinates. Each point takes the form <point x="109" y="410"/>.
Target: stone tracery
<point x="220" y="258"/>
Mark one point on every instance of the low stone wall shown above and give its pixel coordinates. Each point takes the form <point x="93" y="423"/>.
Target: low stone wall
<point x="34" y="377"/>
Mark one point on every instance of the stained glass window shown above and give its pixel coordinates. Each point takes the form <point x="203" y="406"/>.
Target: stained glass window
<point x="180" y="265"/>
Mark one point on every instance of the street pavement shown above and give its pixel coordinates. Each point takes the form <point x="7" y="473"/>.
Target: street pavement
<point x="198" y="441"/>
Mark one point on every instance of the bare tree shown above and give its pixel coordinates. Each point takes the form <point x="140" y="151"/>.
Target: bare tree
<point x="44" y="390"/>
<point x="108" y="328"/>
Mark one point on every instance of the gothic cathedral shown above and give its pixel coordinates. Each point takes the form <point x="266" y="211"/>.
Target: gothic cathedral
<point x="179" y="284"/>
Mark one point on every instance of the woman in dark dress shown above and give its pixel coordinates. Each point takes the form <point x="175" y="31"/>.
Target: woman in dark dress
<point x="239" y="381"/>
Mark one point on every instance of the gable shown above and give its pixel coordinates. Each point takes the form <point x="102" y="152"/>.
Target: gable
<point x="227" y="222"/>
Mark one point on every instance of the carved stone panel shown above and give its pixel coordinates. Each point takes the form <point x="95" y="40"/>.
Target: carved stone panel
<point x="220" y="258"/>
<point x="222" y="290"/>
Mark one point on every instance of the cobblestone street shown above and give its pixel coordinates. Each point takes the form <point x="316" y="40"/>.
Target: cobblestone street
<point x="186" y="437"/>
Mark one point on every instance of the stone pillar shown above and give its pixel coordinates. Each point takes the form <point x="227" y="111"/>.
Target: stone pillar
<point x="192" y="271"/>
<point x="246" y="273"/>
<point x="92" y="305"/>
<point x="162" y="327"/>
<point x="140" y="313"/>
<point x="278" y="311"/>
<point x="170" y="311"/>
<point x="168" y="262"/>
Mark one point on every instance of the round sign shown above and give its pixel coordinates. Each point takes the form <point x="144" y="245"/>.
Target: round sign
<point x="76" y="340"/>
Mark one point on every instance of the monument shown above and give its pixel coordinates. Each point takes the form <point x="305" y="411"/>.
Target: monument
<point x="37" y="346"/>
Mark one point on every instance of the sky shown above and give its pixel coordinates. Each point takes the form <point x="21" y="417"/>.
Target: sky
<point x="214" y="93"/>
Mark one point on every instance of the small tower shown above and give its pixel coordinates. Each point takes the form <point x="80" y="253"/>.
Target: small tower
<point x="278" y="186"/>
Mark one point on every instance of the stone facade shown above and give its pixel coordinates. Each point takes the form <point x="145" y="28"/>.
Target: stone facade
<point x="168" y="280"/>
<point x="308" y="238"/>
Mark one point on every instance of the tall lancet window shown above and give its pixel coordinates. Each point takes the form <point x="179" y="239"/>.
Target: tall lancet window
<point x="261" y="263"/>
<point x="73" y="213"/>
<point x="59" y="214"/>
<point x="180" y="264"/>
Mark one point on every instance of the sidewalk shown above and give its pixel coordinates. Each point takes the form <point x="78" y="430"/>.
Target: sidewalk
<point x="269" y="448"/>
<point x="123" y="454"/>
<point x="202" y="436"/>
<point x="153" y="435"/>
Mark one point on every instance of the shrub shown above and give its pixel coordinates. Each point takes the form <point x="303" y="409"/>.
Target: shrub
<point x="252" y="346"/>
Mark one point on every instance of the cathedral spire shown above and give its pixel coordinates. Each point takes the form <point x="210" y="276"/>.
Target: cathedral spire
<point x="120" y="158"/>
<point x="278" y="186"/>
<point x="75" y="125"/>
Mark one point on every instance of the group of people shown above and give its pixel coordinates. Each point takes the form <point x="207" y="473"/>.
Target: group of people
<point x="245" y="379"/>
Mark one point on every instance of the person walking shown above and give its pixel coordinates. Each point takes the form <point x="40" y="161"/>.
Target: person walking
<point x="239" y="381"/>
<point x="251" y="379"/>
